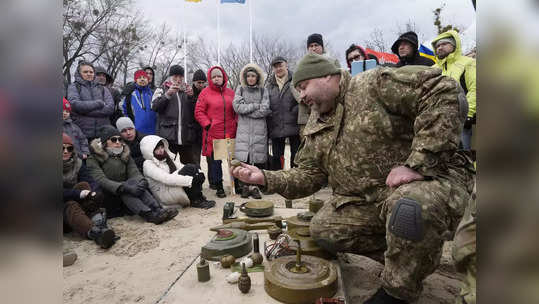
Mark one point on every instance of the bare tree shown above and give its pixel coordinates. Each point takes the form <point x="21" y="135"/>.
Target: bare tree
<point x="376" y="41"/>
<point x="81" y="21"/>
<point x="438" y="21"/>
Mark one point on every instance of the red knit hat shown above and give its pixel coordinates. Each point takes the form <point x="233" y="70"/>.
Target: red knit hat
<point x="66" y="139"/>
<point x="140" y="73"/>
<point x="67" y="105"/>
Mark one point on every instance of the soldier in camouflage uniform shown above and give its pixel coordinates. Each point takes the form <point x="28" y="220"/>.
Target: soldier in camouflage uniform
<point x="464" y="253"/>
<point x="386" y="142"/>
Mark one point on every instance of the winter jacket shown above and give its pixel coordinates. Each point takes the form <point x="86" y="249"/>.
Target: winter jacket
<point x="459" y="67"/>
<point x="82" y="174"/>
<point x="139" y="109"/>
<point x="166" y="186"/>
<point x="169" y="124"/>
<point x="214" y="109"/>
<point x="196" y="127"/>
<point x="91" y="104"/>
<point x="416" y="58"/>
<point x="111" y="171"/>
<point x="79" y="140"/>
<point x="252" y="106"/>
<point x="134" y="149"/>
<point x="283" y="121"/>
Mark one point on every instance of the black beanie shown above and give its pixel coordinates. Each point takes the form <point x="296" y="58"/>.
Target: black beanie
<point x="315" y="38"/>
<point x="199" y="75"/>
<point x="176" y="70"/>
<point x="106" y="132"/>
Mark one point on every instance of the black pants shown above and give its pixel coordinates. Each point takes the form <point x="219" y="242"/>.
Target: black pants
<point x="195" y="191"/>
<point x="278" y="144"/>
<point x="185" y="151"/>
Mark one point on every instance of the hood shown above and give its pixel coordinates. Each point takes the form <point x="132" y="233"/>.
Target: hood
<point x="210" y="83"/>
<point x="152" y="83"/>
<point x="350" y="50"/>
<point x="99" y="153"/>
<point x="78" y="76"/>
<point x="259" y="71"/>
<point x="107" y="75"/>
<point x="458" y="48"/>
<point x="408" y="36"/>
<point x="148" y="144"/>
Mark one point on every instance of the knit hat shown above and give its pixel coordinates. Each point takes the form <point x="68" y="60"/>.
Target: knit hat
<point x="199" y="75"/>
<point x="408" y="36"/>
<point x="123" y="123"/>
<point x="277" y="59"/>
<point x="66" y="139"/>
<point x="106" y="132"/>
<point x="67" y="105"/>
<point x="447" y="39"/>
<point x="313" y="66"/>
<point x="176" y="70"/>
<point x="139" y="74"/>
<point x="315" y="38"/>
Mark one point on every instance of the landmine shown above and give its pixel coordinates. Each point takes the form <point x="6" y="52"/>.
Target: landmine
<point x="300" y="279"/>
<point x="235" y="242"/>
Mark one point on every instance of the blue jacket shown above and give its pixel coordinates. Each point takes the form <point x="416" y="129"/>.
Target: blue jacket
<point x="139" y="109"/>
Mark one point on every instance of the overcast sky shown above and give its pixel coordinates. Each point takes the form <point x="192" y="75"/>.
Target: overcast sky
<point x="341" y="22"/>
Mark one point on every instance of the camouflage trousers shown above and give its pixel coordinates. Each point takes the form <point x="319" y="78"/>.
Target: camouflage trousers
<point x="365" y="229"/>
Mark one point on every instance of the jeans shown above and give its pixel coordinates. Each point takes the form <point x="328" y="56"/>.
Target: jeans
<point x="466" y="139"/>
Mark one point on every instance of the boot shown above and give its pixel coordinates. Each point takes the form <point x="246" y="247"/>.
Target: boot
<point x="157" y="217"/>
<point x="245" y="191"/>
<point x="213" y="186"/>
<point x="381" y="297"/>
<point x="220" y="191"/>
<point x="171" y="213"/>
<point x="255" y="193"/>
<point x="202" y="203"/>
<point x="100" y="232"/>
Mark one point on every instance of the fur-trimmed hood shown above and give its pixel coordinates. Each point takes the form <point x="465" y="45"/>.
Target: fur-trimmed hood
<point x="101" y="155"/>
<point x="259" y="71"/>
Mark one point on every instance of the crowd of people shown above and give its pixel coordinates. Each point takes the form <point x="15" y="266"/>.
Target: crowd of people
<point x="138" y="151"/>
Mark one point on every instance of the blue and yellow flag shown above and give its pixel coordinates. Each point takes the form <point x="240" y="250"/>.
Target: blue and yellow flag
<point x="426" y="52"/>
<point x="233" y="1"/>
<point x="193" y="0"/>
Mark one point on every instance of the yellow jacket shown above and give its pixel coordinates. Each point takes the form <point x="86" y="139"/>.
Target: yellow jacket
<point x="455" y="64"/>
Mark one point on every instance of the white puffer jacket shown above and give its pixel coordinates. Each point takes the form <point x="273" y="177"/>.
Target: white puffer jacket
<point x="166" y="186"/>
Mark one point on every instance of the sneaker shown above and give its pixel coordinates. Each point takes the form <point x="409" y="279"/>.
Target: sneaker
<point x="255" y="193"/>
<point x="245" y="191"/>
<point x="381" y="297"/>
<point x="220" y="193"/>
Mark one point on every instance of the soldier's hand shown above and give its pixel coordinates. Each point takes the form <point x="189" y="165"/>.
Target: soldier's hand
<point x="402" y="175"/>
<point x="248" y="174"/>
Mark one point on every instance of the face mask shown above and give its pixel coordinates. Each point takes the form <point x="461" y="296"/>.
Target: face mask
<point x="115" y="151"/>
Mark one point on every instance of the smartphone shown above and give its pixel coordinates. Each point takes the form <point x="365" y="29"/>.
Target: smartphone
<point x="362" y="66"/>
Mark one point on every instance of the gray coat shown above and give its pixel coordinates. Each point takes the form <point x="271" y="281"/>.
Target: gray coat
<point x="79" y="140"/>
<point x="252" y="106"/>
<point x="283" y="121"/>
<point x="91" y="104"/>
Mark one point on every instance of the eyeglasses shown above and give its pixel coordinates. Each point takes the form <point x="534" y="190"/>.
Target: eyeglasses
<point x="115" y="139"/>
<point x="67" y="148"/>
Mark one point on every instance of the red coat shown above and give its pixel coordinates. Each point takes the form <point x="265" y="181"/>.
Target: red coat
<point x="214" y="107"/>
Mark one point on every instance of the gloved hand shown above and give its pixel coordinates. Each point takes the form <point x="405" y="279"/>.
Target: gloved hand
<point x="84" y="193"/>
<point x="142" y="185"/>
<point x="131" y="187"/>
<point x="469" y="122"/>
<point x="189" y="170"/>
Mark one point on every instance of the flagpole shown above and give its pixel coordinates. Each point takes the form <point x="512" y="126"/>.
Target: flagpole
<point x="250" y="32"/>
<point x="184" y="45"/>
<point x="218" y="33"/>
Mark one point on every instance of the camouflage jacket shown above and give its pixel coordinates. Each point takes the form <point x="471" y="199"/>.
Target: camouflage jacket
<point x="383" y="118"/>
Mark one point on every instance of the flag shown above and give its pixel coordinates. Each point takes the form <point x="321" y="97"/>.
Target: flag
<point x="426" y="52"/>
<point x="233" y="1"/>
<point x="193" y="0"/>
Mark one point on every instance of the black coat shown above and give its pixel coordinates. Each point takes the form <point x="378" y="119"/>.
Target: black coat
<point x="416" y="60"/>
<point x="134" y="146"/>
<point x="283" y="120"/>
<point x="167" y="117"/>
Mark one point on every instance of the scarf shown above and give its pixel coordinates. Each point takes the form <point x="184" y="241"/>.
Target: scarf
<point x="71" y="171"/>
<point x="281" y="81"/>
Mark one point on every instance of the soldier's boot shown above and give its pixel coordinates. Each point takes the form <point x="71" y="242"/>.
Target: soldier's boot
<point x="382" y="297"/>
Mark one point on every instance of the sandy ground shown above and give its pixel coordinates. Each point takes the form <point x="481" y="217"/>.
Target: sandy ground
<point x="145" y="264"/>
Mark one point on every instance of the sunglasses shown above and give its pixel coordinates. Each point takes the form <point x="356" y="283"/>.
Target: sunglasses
<point x="115" y="139"/>
<point x="67" y="148"/>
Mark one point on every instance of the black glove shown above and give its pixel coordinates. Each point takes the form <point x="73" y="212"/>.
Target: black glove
<point x="469" y="122"/>
<point x="131" y="187"/>
<point x="189" y="170"/>
<point x="143" y="184"/>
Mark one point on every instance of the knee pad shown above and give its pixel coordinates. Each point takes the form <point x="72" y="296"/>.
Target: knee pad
<point x="406" y="221"/>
